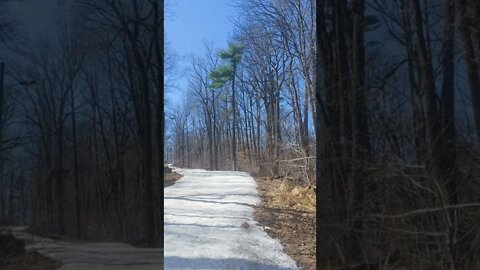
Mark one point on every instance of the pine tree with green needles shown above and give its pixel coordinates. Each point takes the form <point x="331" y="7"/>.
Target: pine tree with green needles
<point x="221" y="76"/>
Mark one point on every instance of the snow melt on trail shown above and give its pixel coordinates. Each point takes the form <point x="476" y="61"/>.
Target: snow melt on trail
<point x="205" y="216"/>
<point x="91" y="256"/>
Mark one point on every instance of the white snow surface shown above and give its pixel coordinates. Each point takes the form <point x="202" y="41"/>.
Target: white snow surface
<point x="204" y="213"/>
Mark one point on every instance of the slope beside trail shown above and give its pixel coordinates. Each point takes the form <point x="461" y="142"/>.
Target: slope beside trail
<point x="209" y="224"/>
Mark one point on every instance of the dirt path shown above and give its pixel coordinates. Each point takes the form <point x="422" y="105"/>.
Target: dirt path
<point x="92" y="256"/>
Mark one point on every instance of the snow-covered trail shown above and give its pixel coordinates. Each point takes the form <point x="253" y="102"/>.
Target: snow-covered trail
<point x="93" y="256"/>
<point x="205" y="216"/>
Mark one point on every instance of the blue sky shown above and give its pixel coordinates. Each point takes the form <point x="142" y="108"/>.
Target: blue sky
<point x="188" y="23"/>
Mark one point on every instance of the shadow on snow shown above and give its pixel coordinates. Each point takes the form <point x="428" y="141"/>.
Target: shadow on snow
<point x="174" y="262"/>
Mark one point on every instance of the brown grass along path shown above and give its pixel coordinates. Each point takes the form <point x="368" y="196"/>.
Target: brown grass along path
<point x="287" y="212"/>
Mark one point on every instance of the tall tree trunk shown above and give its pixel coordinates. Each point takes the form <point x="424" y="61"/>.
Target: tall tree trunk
<point x="360" y="137"/>
<point x="343" y="78"/>
<point x="215" y="134"/>
<point x="76" y="172"/>
<point x="471" y="61"/>
<point x="428" y="86"/>
<point x="448" y="148"/>
<point x="234" y="122"/>
<point x="330" y="183"/>
<point x="159" y="42"/>
<point x="252" y="129"/>
<point x="297" y="114"/>
<point x="148" y="189"/>
<point x="418" y="111"/>
<point x="305" y="128"/>
<point x="146" y="135"/>
<point x="2" y="107"/>
<point x="11" y="204"/>
<point x="59" y="180"/>
<point x="259" y="119"/>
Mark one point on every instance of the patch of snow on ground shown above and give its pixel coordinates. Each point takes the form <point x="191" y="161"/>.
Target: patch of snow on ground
<point x="205" y="216"/>
<point x="92" y="256"/>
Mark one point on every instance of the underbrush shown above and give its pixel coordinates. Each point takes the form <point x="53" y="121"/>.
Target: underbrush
<point x="294" y="196"/>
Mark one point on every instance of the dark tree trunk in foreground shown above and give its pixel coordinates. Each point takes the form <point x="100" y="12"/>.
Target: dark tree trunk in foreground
<point x="473" y="72"/>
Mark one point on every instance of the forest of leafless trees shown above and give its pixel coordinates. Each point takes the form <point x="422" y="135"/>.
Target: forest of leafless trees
<point x="255" y="113"/>
<point x="397" y="92"/>
<point x="395" y="107"/>
<point x="81" y="125"/>
<point x="376" y="102"/>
